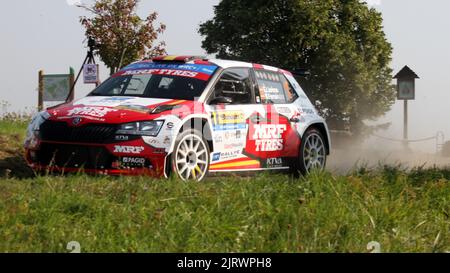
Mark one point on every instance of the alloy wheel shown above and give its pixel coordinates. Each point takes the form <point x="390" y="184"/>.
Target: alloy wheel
<point x="191" y="158"/>
<point x="314" y="153"/>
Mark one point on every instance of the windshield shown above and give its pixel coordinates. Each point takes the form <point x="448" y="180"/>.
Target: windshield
<point x="160" y="81"/>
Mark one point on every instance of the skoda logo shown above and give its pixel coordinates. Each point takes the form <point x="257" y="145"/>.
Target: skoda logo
<point x="76" y="121"/>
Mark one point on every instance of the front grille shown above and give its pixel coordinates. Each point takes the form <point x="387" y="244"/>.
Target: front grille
<point x="74" y="156"/>
<point x="91" y="133"/>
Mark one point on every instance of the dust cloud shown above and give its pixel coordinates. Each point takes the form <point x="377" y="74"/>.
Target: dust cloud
<point x="374" y="152"/>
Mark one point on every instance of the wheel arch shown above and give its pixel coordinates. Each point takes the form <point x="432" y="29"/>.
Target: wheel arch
<point x="199" y="123"/>
<point x="323" y="129"/>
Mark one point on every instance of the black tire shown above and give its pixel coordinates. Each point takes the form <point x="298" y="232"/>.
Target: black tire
<point x="302" y="165"/>
<point x="194" y="160"/>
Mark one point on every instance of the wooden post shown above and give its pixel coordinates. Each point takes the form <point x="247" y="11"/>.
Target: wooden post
<point x="406" y="90"/>
<point x="41" y="91"/>
<point x="405" y="124"/>
<point x="71" y="83"/>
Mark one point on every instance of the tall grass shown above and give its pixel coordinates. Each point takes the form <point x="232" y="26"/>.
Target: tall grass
<point x="266" y="213"/>
<point x="13" y="123"/>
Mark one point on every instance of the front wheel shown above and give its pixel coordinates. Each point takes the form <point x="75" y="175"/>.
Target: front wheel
<point x="313" y="152"/>
<point x="190" y="159"/>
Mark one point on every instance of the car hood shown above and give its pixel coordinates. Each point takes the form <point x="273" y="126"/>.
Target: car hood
<point x="108" y="110"/>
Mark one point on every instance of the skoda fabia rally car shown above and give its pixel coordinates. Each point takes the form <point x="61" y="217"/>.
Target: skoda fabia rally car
<point x="185" y="116"/>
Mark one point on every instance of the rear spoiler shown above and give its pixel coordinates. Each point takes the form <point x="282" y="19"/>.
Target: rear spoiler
<point x="177" y="59"/>
<point x="300" y="72"/>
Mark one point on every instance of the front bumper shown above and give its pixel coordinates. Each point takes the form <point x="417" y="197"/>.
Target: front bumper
<point x="121" y="158"/>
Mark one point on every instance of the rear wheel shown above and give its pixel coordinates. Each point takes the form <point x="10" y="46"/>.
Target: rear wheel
<point x="313" y="152"/>
<point x="190" y="159"/>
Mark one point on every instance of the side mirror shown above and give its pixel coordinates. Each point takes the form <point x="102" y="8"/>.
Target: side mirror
<point x="221" y="100"/>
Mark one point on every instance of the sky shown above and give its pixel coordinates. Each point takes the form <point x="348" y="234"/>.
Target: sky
<point x="46" y="34"/>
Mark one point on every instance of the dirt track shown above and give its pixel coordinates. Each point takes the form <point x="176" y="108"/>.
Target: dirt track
<point x="12" y="163"/>
<point x="344" y="160"/>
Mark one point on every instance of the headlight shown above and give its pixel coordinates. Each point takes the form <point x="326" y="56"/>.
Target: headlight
<point x="142" y="128"/>
<point x="32" y="136"/>
<point x="37" y="121"/>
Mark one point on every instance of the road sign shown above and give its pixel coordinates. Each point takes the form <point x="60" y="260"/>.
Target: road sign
<point x="90" y="73"/>
<point x="406" y="84"/>
<point x="54" y="87"/>
<point x="406" y="90"/>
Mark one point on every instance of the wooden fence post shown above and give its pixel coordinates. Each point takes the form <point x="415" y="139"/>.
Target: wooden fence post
<point x="71" y="83"/>
<point x="41" y="91"/>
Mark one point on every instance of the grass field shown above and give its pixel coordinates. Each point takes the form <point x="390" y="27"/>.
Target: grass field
<point x="403" y="210"/>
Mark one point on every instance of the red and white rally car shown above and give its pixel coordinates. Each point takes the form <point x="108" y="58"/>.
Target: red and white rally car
<point x="183" y="115"/>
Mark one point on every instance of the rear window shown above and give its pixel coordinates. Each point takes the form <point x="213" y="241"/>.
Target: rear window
<point x="161" y="81"/>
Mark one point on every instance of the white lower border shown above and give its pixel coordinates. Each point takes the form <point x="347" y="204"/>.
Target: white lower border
<point x="248" y="170"/>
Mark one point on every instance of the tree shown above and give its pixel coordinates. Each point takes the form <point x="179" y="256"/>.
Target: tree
<point x="341" y="43"/>
<point x="121" y="36"/>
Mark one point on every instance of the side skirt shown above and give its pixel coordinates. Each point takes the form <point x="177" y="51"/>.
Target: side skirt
<point x="250" y="170"/>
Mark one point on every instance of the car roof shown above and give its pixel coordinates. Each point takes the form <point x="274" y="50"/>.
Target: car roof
<point x="183" y="59"/>
<point x="230" y="63"/>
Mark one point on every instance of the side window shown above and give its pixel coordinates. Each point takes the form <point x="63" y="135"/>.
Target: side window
<point x="270" y="87"/>
<point x="236" y="84"/>
<point x="274" y="88"/>
<point x="291" y="95"/>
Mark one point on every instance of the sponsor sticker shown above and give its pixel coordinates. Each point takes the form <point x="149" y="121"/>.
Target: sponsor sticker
<point x="308" y="111"/>
<point x="97" y="112"/>
<point x="218" y="139"/>
<point x="165" y="72"/>
<point x="167" y="140"/>
<point x="153" y="141"/>
<point x="233" y="134"/>
<point x="170" y="125"/>
<point x="121" y="138"/>
<point x="133" y="160"/>
<point x="200" y="72"/>
<point x="228" y="120"/>
<point x="159" y="151"/>
<point x="227" y="155"/>
<point x="128" y="149"/>
<point x="284" y="110"/>
<point x="205" y="69"/>
<point x="230" y="146"/>
<point x="274" y="162"/>
<point x="229" y="127"/>
<point x="269" y="137"/>
<point x="216" y="157"/>
<point x="115" y="99"/>
<point x="134" y="108"/>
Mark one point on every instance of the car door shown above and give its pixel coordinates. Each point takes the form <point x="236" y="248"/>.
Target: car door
<point x="230" y="104"/>
<point x="275" y="136"/>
